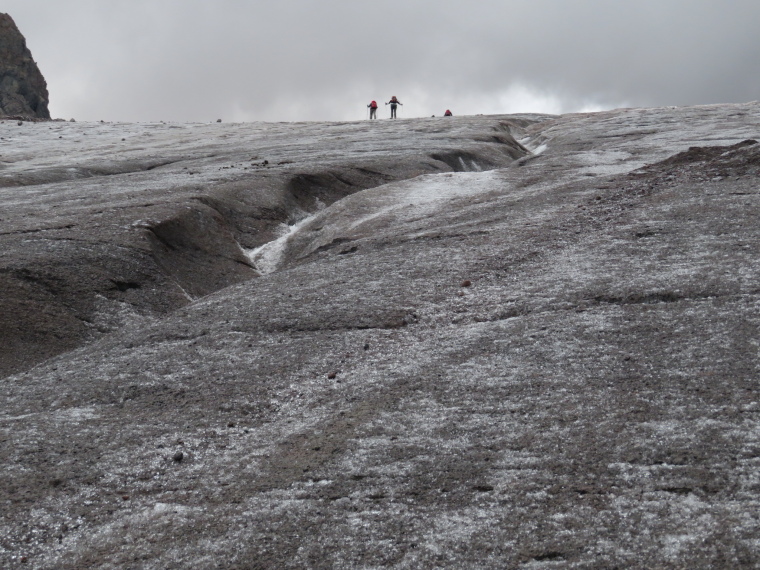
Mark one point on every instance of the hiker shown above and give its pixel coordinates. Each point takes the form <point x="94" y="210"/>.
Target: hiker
<point x="448" y="113"/>
<point x="393" y="102"/>
<point x="372" y="109"/>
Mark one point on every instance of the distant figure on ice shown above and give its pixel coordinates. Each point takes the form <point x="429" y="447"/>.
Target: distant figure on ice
<point x="372" y="110"/>
<point x="393" y="102"/>
<point x="448" y="113"/>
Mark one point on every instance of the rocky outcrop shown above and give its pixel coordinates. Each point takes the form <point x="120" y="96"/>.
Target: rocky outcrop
<point x="23" y="91"/>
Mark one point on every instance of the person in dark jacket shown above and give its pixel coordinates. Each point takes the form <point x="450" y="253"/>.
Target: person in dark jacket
<point x="393" y="102"/>
<point x="372" y="109"/>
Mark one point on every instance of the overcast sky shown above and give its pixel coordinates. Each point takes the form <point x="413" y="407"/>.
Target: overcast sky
<point x="315" y="60"/>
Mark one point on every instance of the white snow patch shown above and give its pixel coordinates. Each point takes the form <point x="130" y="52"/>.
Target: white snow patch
<point x="425" y="194"/>
<point x="62" y="415"/>
<point x="76" y="414"/>
<point x="161" y="508"/>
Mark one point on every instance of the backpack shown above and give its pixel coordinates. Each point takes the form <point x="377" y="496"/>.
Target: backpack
<point x="373" y="105"/>
<point x="393" y="99"/>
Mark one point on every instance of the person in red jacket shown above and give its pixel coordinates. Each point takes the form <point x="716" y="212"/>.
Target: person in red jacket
<point x="393" y="102"/>
<point x="448" y="113"/>
<point x="372" y="109"/>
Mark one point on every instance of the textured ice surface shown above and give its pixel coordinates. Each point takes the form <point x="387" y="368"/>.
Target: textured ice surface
<point x="550" y="364"/>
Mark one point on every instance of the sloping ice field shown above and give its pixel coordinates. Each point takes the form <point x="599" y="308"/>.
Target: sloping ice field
<point x="517" y="341"/>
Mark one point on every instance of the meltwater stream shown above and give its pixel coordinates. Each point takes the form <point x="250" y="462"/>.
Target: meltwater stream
<point x="266" y="258"/>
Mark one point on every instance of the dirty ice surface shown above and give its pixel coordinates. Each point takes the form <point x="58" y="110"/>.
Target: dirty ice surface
<point x="322" y="428"/>
<point x="117" y="164"/>
<point x="633" y="143"/>
<point x="423" y="196"/>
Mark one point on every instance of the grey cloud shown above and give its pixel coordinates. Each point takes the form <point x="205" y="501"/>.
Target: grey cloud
<point x="305" y="60"/>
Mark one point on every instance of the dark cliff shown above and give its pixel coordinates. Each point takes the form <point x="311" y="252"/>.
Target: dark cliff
<point x="23" y="90"/>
